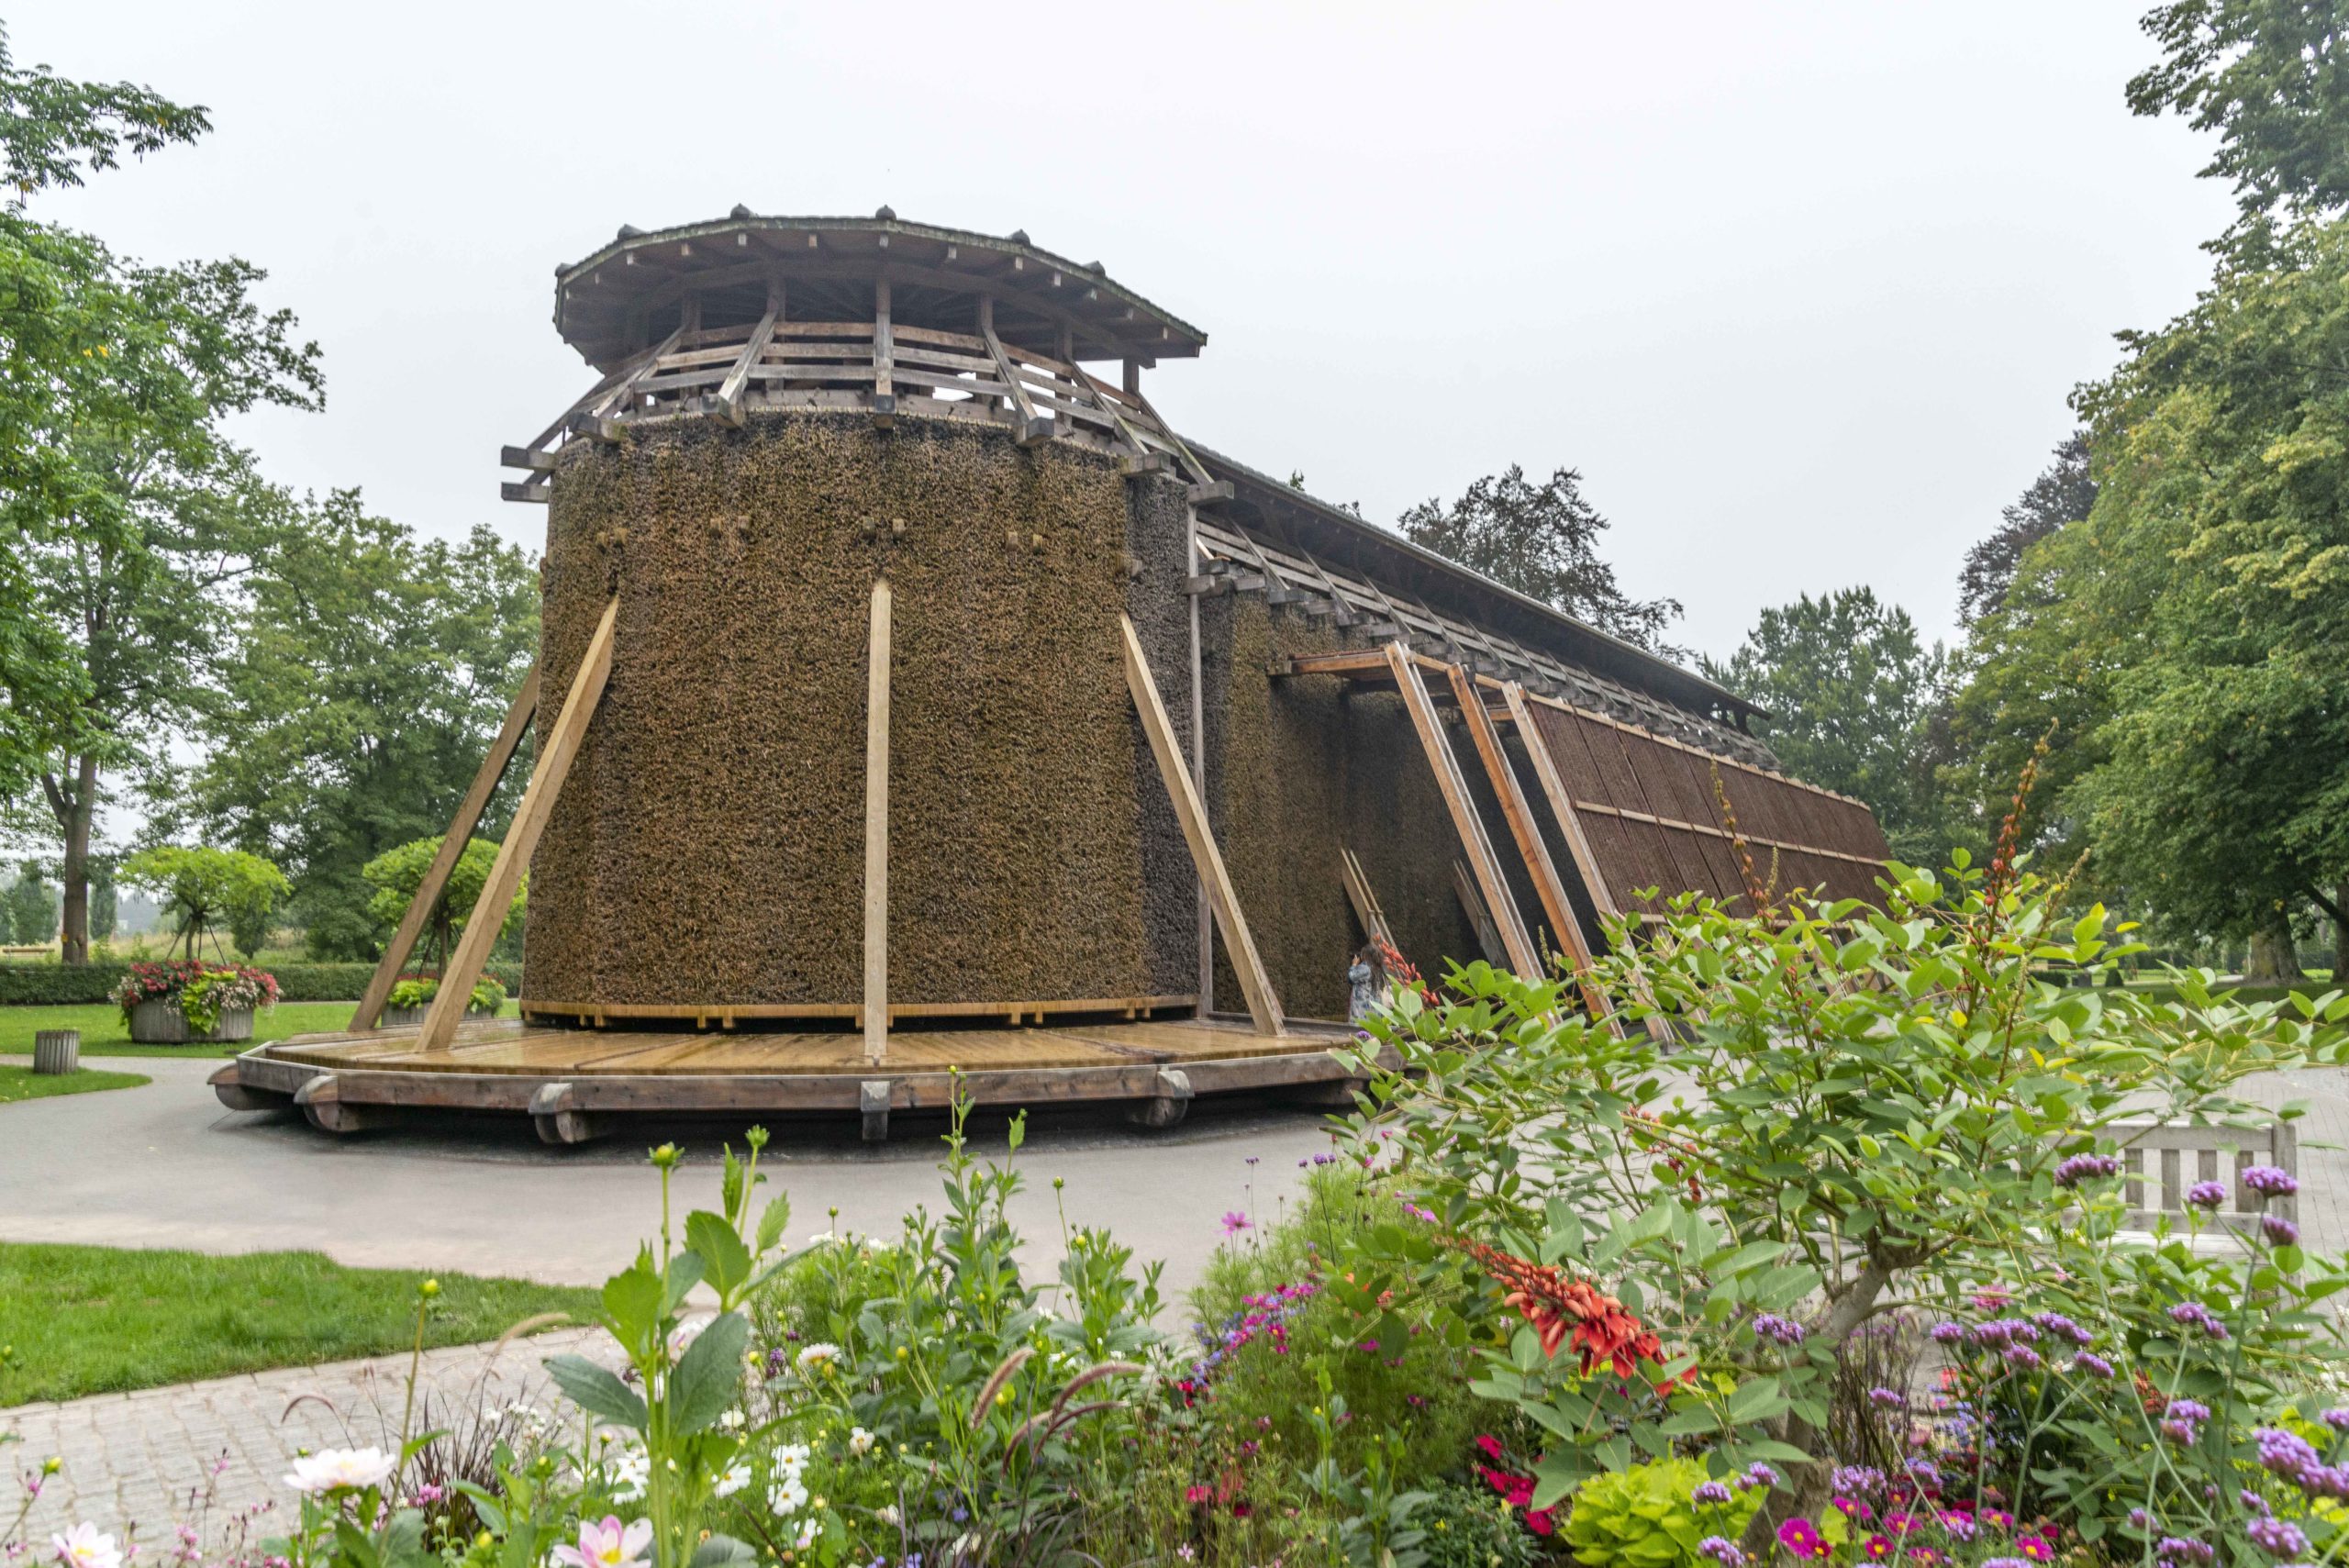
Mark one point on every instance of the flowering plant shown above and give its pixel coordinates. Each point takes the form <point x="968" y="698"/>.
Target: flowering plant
<point x="198" y="992"/>
<point x="417" y="991"/>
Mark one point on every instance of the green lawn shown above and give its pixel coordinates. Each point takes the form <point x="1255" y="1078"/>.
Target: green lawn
<point x="78" y="1320"/>
<point x="104" y="1034"/>
<point x="24" y="1084"/>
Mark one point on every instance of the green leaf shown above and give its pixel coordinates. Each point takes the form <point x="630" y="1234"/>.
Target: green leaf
<point x="726" y="1262"/>
<point x="771" y="1222"/>
<point x="595" y="1390"/>
<point x="722" y="1551"/>
<point x="708" y="1374"/>
<point x="1755" y="1400"/>
<point x="685" y="1273"/>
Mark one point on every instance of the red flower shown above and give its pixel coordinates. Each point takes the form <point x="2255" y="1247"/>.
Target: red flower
<point x="1604" y="1332"/>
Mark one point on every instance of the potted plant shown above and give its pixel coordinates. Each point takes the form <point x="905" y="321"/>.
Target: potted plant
<point x="189" y="1003"/>
<point x="412" y="998"/>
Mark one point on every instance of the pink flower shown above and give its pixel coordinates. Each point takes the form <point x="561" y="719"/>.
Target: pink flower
<point x="609" y="1545"/>
<point x="1235" y="1222"/>
<point x="1801" y="1538"/>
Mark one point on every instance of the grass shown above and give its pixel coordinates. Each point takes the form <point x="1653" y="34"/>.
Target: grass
<point x="104" y="1034"/>
<point x="24" y="1084"/>
<point x="78" y="1320"/>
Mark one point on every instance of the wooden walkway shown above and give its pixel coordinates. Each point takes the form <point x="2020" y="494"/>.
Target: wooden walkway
<point x="575" y="1082"/>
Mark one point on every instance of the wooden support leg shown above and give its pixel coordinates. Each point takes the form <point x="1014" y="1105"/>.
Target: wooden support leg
<point x="239" y="1096"/>
<point x="460" y="831"/>
<point x="320" y="1100"/>
<point x="876" y="829"/>
<point x="1449" y="780"/>
<point x="514" y="855"/>
<point x="873" y="1104"/>
<point x="1263" y="1006"/>
<point x="1169" y="1105"/>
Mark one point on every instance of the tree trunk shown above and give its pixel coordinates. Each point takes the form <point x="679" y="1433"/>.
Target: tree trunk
<point x="2271" y="958"/>
<point x="2341" y="935"/>
<point x="1808" y="1493"/>
<point x="74" y="808"/>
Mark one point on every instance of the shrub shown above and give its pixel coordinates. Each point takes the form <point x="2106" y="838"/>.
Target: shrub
<point x="1647" y="1517"/>
<point x="1462" y="1528"/>
<point x="199" y="993"/>
<point x="487" y="997"/>
<point x="88" y="985"/>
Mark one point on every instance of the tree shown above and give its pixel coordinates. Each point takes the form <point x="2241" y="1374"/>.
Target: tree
<point x="58" y="357"/>
<point x="396" y="874"/>
<point x="372" y="670"/>
<point x="1542" y="540"/>
<point x="2272" y="78"/>
<point x="201" y="887"/>
<point x="30" y="908"/>
<point x="2062" y="494"/>
<point x="1858" y="705"/>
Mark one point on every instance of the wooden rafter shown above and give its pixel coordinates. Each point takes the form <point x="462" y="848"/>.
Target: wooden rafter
<point x="444" y="861"/>
<point x="1264" y="1006"/>
<point x="738" y="379"/>
<point x="1472" y="904"/>
<point x="1519" y="813"/>
<point x="1033" y="427"/>
<point x="562" y="749"/>
<point x="1368" y="912"/>
<point x="885" y="388"/>
<point x="1454" y="785"/>
<point x="877" y="828"/>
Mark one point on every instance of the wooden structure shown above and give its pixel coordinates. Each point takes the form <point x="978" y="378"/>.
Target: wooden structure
<point x="2183" y="1155"/>
<point x="914" y="691"/>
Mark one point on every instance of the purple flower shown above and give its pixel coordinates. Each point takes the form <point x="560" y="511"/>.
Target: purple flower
<point x="2093" y="1364"/>
<point x="1946" y="1333"/>
<point x="2139" y="1518"/>
<point x="1783" y="1330"/>
<point x="1757" y="1475"/>
<point x="1722" y="1550"/>
<point x="1709" y="1495"/>
<point x="2286" y="1455"/>
<point x="1856" y="1481"/>
<point x="2254" y="1502"/>
<point x="2279" y="1232"/>
<point x="2184" y="1550"/>
<point x="2337" y="1419"/>
<point x="2270" y="1181"/>
<point x="1888" y="1398"/>
<point x="2182" y="1420"/>
<point x="2193" y="1313"/>
<point x="1235" y="1222"/>
<point x="1958" y="1526"/>
<point x="2206" y="1195"/>
<point x="2062" y="1326"/>
<point x="2023" y="1357"/>
<point x="2080" y="1168"/>
<point x="2006" y="1562"/>
<point x="2278" y="1538"/>
<point x="2001" y="1331"/>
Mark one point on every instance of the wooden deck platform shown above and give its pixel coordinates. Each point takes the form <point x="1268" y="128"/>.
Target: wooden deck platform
<point x="576" y="1083"/>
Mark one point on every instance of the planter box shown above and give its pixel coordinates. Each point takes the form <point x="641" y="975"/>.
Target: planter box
<point x="413" y="1018"/>
<point x="160" y="1023"/>
<point x="57" y="1052"/>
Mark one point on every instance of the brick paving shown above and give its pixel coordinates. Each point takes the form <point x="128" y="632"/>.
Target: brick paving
<point x="147" y="1461"/>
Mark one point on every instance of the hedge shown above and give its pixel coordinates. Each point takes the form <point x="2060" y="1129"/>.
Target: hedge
<point x="55" y="985"/>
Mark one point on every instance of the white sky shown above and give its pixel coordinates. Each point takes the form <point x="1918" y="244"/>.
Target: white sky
<point x="1801" y="289"/>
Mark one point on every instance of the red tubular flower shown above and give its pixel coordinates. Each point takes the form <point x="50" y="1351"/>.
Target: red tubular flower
<point x="1604" y="1332"/>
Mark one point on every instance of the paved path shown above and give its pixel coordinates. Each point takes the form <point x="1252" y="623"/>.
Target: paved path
<point x="147" y="1461"/>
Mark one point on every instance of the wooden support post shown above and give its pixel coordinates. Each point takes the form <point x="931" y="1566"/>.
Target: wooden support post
<point x="1562" y="805"/>
<point x="738" y="379"/>
<point x="460" y="831"/>
<point x="562" y="749"/>
<point x="1518" y="944"/>
<point x="877" y="828"/>
<point x="1206" y="913"/>
<point x="1263" y="1006"/>
<point x="1472" y="904"/>
<point x="1519" y="812"/>
<point x="884" y="387"/>
<point x="1367" y="912"/>
<point x="1032" y="426"/>
<point x="1167" y="1105"/>
<point x="872" y="1095"/>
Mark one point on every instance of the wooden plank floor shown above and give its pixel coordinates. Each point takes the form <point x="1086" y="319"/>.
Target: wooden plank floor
<point x="507" y="1047"/>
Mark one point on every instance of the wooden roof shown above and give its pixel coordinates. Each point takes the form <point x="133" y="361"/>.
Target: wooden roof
<point x="631" y="291"/>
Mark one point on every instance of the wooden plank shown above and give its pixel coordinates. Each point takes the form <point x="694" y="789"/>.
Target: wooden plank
<point x="1203" y="915"/>
<point x="460" y="831"/>
<point x="1519" y="813"/>
<point x="884" y="397"/>
<point x="1368" y="911"/>
<point x="876" y="827"/>
<point x="1032" y="426"/>
<point x="529" y="821"/>
<point x="1519" y="945"/>
<point x="1263" y="1006"/>
<point x="730" y="392"/>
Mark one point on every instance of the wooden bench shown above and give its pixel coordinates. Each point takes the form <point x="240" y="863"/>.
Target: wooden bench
<point x="2275" y="1144"/>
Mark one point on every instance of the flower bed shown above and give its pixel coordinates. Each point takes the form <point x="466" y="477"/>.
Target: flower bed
<point x="183" y="1003"/>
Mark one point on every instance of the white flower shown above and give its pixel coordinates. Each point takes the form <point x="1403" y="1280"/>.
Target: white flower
<point x="340" y="1469"/>
<point x="823" y="1239"/>
<point x="809" y="1532"/>
<point x="786" y="1496"/>
<point x="790" y="1457"/>
<point x="887" y="1513"/>
<point x="608" y="1545"/>
<point x="737" y="1477"/>
<point x="83" y="1547"/>
<point x="731" y="1421"/>
<point x="632" y="1472"/>
<point x="817" y="1355"/>
<point x="859" y="1442"/>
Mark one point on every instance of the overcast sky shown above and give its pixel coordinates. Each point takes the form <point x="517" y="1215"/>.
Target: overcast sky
<point x="1800" y="288"/>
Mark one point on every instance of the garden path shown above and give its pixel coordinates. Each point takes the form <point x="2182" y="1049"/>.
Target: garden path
<point x="147" y="1461"/>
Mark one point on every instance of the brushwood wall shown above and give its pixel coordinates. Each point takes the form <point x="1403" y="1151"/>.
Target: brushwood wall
<point x="708" y="846"/>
